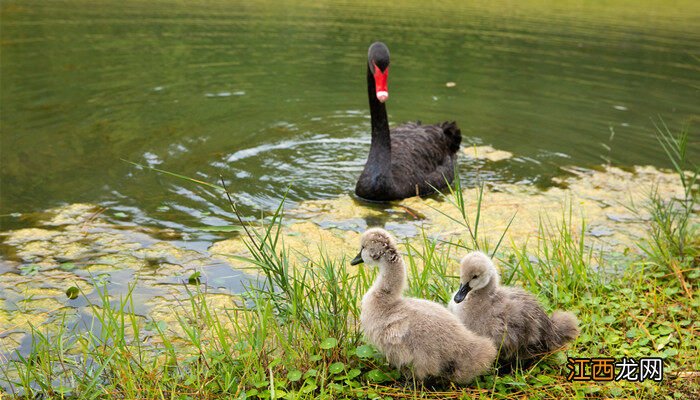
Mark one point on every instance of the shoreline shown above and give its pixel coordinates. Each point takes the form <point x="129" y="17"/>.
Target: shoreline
<point x="86" y="250"/>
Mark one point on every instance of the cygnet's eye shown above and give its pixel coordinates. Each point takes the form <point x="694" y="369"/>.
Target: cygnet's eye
<point x="475" y="276"/>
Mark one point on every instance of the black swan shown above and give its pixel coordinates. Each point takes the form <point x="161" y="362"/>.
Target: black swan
<point x="413" y="159"/>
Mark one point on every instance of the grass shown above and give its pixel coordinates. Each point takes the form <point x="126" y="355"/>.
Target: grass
<point x="297" y="335"/>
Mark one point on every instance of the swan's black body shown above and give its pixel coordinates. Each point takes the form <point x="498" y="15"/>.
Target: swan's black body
<point x="412" y="159"/>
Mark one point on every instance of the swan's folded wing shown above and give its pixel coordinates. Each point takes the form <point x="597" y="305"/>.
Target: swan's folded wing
<point x="424" y="146"/>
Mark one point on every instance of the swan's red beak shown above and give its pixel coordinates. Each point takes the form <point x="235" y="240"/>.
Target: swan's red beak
<point x="380" y="79"/>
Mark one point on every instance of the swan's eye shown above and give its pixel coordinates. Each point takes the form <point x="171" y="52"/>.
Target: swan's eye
<point x="475" y="276"/>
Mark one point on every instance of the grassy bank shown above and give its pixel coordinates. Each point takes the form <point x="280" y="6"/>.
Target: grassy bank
<point x="297" y="334"/>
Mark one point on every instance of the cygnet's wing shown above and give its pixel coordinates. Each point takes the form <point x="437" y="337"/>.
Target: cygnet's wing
<point x="396" y="331"/>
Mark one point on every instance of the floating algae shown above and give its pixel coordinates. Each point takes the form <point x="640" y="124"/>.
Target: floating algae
<point x="74" y="247"/>
<point x="487" y="153"/>
<point x="332" y="226"/>
<point x="305" y="240"/>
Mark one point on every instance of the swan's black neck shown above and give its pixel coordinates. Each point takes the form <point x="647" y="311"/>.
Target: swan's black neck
<point x="380" y="149"/>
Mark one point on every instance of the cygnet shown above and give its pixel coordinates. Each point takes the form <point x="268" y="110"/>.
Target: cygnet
<point x="511" y="317"/>
<point x="411" y="332"/>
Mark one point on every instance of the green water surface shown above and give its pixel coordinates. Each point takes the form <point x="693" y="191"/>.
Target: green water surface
<point x="268" y="94"/>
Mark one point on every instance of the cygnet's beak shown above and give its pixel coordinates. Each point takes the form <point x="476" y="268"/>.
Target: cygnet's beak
<point x="462" y="292"/>
<point x="358" y="259"/>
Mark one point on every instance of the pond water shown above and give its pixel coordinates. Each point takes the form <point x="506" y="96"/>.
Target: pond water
<point x="268" y="94"/>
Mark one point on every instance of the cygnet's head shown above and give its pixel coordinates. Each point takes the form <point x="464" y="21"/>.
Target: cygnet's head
<point x="476" y="271"/>
<point x="376" y="245"/>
